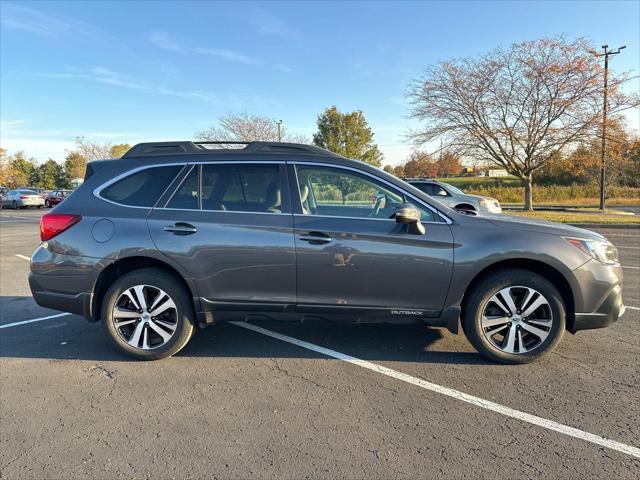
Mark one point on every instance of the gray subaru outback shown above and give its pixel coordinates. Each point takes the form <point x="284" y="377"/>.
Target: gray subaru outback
<point x="179" y="235"/>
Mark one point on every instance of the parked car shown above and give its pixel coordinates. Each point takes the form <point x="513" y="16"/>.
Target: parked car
<point x="455" y="198"/>
<point x="22" y="199"/>
<point x="38" y="190"/>
<point x="54" y="197"/>
<point x="178" y="235"/>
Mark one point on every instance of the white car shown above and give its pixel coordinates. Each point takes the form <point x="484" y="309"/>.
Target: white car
<point x="22" y="198"/>
<point x="455" y="198"/>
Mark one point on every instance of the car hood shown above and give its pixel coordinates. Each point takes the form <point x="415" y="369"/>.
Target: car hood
<point x="510" y="222"/>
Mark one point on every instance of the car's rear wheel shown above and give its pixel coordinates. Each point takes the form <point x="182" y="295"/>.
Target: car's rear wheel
<point x="514" y="316"/>
<point x="148" y="314"/>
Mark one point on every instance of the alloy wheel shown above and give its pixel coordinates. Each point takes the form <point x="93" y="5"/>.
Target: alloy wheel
<point x="145" y="316"/>
<point x="517" y="319"/>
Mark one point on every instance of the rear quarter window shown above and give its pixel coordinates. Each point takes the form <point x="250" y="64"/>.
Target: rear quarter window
<point x="142" y="188"/>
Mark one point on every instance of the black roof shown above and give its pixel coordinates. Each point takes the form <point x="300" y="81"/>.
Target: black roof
<point x="150" y="149"/>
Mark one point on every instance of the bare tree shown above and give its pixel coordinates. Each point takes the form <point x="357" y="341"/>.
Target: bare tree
<point x="243" y="127"/>
<point x="93" y="150"/>
<point x="517" y="107"/>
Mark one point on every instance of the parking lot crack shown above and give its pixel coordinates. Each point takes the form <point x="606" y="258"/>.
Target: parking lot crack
<point x="279" y="368"/>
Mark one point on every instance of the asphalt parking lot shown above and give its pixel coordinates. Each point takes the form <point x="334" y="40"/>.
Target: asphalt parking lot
<point x="320" y="400"/>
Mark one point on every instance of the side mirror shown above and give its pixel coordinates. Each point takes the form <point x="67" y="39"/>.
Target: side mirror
<point x="409" y="215"/>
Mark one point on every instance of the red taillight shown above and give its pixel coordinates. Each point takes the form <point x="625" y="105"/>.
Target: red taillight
<point x="23" y="197"/>
<point x="53" y="224"/>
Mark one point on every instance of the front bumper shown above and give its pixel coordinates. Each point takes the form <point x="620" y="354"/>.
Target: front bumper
<point x="609" y="311"/>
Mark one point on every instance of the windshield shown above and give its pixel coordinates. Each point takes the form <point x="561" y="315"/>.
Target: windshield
<point x="453" y="189"/>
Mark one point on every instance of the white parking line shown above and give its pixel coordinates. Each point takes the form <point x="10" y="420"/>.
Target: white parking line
<point x="33" y="320"/>
<point x="628" y="248"/>
<point x="23" y="257"/>
<point x="635" y="268"/>
<point x="449" y="392"/>
<point x="632" y="308"/>
<point x="19" y="217"/>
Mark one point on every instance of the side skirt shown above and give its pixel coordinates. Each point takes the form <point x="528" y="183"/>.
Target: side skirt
<point x="215" y="311"/>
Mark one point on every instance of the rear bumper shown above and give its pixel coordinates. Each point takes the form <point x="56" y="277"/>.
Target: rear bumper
<point x="609" y="311"/>
<point x="80" y="303"/>
<point x="63" y="282"/>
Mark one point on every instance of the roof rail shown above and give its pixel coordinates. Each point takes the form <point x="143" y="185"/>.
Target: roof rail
<point x="198" y="147"/>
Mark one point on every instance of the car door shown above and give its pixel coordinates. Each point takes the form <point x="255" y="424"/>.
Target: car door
<point x="352" y="254"/>
<point x="230" y="227"/>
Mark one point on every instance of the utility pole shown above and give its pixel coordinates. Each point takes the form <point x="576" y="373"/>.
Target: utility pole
<point x="603" y="173"/>
<point x="279" y="123"/>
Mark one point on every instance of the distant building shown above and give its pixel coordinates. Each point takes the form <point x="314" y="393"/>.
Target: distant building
<point x="498" y="172"/>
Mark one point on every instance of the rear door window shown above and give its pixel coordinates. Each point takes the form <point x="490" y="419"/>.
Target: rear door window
<point x="242" y="188"/>
<point x="142" y="188"/>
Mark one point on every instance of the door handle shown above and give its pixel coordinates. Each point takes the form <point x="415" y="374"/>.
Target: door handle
<point x="181" y="229"/>
<point x="316" y="237"/>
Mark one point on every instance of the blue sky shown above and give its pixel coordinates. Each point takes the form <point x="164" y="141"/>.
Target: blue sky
<point x="136" y="71"/>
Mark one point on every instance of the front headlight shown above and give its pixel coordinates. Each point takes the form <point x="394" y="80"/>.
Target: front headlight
<point x="601" y="250"/>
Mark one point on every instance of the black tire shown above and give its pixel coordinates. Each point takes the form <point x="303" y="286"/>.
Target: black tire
<point x="466" y="210"/>
<point x="476" y="300"/>
<point x="47" y="204"/>
<point x="14" y="205"/>
<point x="184" y="315"/>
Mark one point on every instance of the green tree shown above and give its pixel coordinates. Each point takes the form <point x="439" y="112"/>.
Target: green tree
<point x="48" y="175"/>
<point x="21" y="170"/>
<point x="75" y="165"/>
<point x="388" y="169"/>
<point x="347" y="134"/>
<point x="117" y="151"/>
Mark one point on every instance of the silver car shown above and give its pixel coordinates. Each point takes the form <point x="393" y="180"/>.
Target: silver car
<point x="455" y="198"/>
<point x="21" y="199"/>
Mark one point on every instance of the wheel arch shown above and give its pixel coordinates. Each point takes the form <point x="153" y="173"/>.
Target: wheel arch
<point x="543" y="269"/>
<point x="129" y="264"/>
<point x="466" y="206"/>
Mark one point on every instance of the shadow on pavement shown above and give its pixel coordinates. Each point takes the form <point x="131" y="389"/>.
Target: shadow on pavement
<point x="72" y="337"/>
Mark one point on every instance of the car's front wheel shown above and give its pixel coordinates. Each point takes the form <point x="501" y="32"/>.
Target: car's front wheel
<point x="514" y="316"/>
<point x="47" y="204"/>
<point x="148" y="314"/>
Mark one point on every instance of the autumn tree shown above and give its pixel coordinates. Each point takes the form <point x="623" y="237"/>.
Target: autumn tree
<point x="20" y="170"/>
<point x="398" y="171"/>
<point x="75" y="165"/>
<point x="243" y="127"/>
<point x="117" y="151"/>
<point x="347" y="134"/>
<point x="448" y="165"/>
<point x="516" y="106"/>
<point x="4" y="167"/>
<point x="419" y="165"/>
<point x="388" y="169"/>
